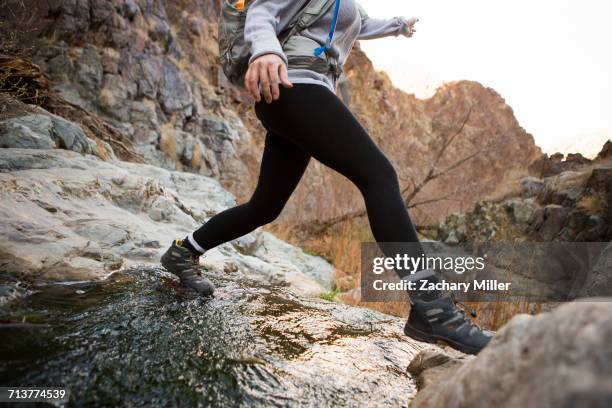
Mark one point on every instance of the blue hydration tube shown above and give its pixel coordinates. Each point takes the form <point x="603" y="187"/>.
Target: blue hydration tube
<point x="332" y="30"/>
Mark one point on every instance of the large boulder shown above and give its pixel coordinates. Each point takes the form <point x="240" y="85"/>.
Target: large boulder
<point x="44" y="130"/>
<point x="557" y="359"/>
<point x="66" y="216"/>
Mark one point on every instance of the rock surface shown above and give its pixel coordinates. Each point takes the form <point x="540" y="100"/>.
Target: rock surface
<point x="136" y="339"/>
<point x="78" y="284"/>
<point x="45" y="131"/>
<point x="558" y="359"/>
<point x="67" y="216"/>
<point x="574" y="206"/>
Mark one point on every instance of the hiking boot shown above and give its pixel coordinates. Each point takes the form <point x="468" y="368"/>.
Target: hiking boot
<point x="441" y="321"/>
<point x="181" y="262"/>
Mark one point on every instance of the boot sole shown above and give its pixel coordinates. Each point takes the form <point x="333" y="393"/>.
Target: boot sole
<point x="435" y="339"/>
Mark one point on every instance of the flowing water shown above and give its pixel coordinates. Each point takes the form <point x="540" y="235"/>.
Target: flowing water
<point x="138" y="339"/>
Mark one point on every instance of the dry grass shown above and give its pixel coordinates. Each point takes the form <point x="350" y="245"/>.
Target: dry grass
<point x="493" y="315"/>
<point x="592" y="204"/>
<point x="23" y="80"/>
<point x="508" y="186"/>
<point x="167" y="141"/>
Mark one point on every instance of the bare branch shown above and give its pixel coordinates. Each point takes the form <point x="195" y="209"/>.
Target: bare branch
<point x="431" y="200"/>
<point x="413" y="189"/>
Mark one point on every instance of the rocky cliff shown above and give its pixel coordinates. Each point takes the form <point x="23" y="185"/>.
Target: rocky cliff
<point x="149" y="67"/>
<point x="570" y="200"/>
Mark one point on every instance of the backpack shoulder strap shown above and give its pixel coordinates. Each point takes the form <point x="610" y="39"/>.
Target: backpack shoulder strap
<point x="306" y="17"/>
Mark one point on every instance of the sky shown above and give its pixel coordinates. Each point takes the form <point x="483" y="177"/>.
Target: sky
<point x="550" y="60"/>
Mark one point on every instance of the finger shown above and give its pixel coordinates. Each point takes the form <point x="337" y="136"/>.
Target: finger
<point x="274" y="80"/>
<point x="284" y="76"/>
<point x="248" y="81"/>
<point x="252" y="82"/>
<point x="264" y="83"/>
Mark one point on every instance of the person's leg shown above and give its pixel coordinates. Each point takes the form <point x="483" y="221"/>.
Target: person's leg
<point x="313" y="118"/>
<point x="316" y="120"/>
<point x="282" y="166"/>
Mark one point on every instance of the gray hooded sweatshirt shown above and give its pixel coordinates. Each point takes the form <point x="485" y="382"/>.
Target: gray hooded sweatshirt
<point x="266" y="19"/>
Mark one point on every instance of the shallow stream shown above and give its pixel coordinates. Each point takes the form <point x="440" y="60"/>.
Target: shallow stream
<point x="138" y="339"/>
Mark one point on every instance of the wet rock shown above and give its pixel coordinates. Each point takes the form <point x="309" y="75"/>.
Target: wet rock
<point x="558" y="359"/>
<point x="255" y="344"/>
<point x="11" y="289"/>
<point x="72" y="269"/>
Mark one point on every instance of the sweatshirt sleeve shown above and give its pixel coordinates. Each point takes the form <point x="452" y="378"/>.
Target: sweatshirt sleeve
<point x="265" y="20"/>
<point x="372" y="28"/>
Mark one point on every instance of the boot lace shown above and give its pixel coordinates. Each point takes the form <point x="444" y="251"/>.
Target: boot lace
<point x="464" y="306"/>
<point x="462" y="312"/>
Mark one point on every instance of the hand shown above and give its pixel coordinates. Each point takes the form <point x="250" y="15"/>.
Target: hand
<point x="410" y="30"/>
<point x="264" y="75"/>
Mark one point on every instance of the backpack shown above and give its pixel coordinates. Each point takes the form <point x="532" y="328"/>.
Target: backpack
<point x="234" y="53"/>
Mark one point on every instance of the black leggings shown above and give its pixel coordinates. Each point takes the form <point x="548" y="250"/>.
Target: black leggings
<point x="311" y="121"/>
